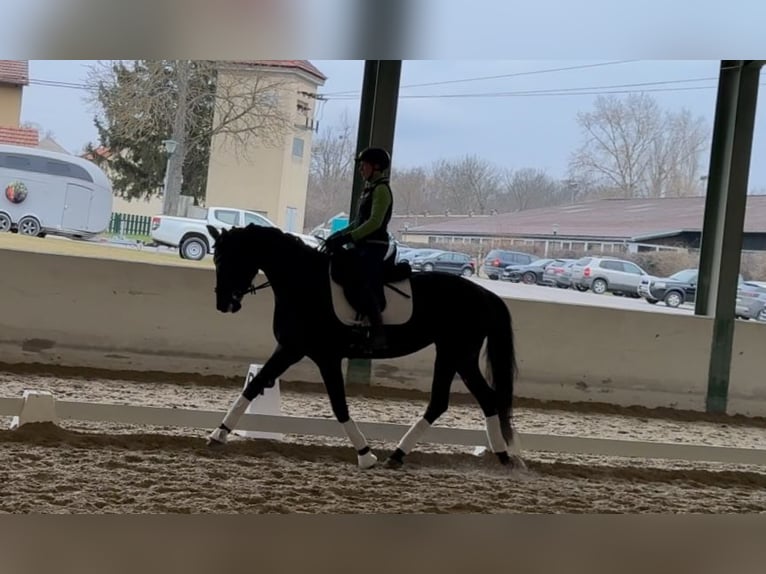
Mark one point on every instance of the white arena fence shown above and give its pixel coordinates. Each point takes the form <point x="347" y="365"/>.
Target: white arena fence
<point x="37" y="406"/>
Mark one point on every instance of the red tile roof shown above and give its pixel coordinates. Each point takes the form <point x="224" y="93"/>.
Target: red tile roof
<point x="100" y="151"/>
<point x="304" y="65"/>
<point x="15" y="72"/>
<point x="19" y="136"/>
<point x="619" y="219"/>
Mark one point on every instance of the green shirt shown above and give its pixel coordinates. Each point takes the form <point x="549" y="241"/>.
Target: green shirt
<point x="381" y="202"/>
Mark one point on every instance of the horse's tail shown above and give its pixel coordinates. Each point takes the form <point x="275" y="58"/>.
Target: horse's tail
<point x="501" y="367"/>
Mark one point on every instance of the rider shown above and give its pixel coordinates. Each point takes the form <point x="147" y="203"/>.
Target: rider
<point x="368" y="232"/>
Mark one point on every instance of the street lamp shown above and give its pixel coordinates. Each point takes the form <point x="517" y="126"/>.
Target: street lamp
<point x="170" y="148"/>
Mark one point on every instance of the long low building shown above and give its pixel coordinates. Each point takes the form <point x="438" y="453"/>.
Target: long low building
<point x="632" y="224"/>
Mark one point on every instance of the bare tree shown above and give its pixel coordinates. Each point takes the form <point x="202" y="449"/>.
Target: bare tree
<point x="331" y="173"/>
<point x="619" y="135"/>
<point x="191" y="102"/>
<point x="529" y="188"/>
<point x="634" y="149"/>
<point x="675" y="167"/>
<point x="468" y="184"/>
<point x="413" y="192"/>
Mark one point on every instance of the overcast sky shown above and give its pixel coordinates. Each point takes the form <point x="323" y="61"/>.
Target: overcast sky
<point x="511" y="130"/>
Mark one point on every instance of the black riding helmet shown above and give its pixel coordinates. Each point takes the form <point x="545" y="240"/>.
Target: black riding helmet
<point x="376" y="156"/>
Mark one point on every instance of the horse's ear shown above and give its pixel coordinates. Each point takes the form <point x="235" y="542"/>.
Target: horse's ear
<point x="214" y="233"/>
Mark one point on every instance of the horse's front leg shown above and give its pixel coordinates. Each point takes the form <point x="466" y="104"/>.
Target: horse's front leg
<point x="281" y="359"/>
<point x="332" y="375"/>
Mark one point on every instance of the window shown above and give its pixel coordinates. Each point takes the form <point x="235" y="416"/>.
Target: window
<point x="298" y="147"/>
<point x="634" y="269"/>
<point x="57" y="168"/>
<point x="18" y="162"/>
<point x="226" y="216"/>
<point x="256" y="219"/>
<point x="39" y="164"/>
<point x="291" y="218"/>
<point x="612" y="265"/>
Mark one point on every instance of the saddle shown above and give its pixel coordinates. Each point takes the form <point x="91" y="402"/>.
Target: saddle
<point x="397" y="304"/>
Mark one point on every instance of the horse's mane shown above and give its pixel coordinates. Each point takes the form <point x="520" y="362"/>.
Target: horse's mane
<point x="276" y="237"/>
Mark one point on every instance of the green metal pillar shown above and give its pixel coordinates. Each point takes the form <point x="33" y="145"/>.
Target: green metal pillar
<point x="725" y="217"/>
<point x="377" y="121"/>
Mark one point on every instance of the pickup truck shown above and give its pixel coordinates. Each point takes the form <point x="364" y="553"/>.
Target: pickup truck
<point x="190" y="236"/>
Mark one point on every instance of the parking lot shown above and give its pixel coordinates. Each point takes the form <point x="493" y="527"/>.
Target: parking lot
<point x="571" y="296"/>
<point x="166" y="256"/>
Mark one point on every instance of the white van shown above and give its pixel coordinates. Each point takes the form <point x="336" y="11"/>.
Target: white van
<point x="45" y="192"/>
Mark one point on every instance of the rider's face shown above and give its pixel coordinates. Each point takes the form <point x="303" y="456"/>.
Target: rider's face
<point x="366" y="169"/>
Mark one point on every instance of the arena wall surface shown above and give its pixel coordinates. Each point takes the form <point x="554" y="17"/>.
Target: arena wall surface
<point x="140" y="317"/>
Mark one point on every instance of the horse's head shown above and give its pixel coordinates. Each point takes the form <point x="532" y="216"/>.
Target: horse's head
<point x="235" y="268"/>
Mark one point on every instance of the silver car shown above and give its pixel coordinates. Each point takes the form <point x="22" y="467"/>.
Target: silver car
<point x="607" y="274"/>
<point x="751" y="301"/>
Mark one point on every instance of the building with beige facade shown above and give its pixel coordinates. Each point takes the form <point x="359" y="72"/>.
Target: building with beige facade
<point x="14" y="76"/>
<point x="273" y="178"/>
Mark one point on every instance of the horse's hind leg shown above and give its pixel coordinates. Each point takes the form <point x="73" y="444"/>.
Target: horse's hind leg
<point x="332" y="375"/>
<point x="281" y="359"/>
<point x="444" y="373"/>
<point x="476" y="383"/>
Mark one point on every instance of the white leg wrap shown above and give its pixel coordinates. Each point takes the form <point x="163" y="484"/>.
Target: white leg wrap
<point x="367" y="460"/>
<point x="355" y="435"/>
<point x="410" y="439"/>
<point x="218" y="435"/>
<point x="495" y="435"/>
<point x="235" y="412"/>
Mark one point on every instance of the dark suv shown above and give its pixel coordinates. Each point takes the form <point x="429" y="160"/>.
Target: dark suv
<point x="498" y="259"/>
<point x="679" y="288"/>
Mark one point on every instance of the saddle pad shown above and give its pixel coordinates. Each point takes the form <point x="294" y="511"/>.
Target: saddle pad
<point x="398" y="307"/>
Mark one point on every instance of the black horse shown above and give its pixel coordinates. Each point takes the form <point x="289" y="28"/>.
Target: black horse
<point x="451" y="312"/>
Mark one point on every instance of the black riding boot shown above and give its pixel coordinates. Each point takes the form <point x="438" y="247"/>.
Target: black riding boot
<point x="378" y="340"/>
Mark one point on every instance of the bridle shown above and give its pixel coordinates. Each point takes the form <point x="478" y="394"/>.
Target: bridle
<point x="238" y="295"/>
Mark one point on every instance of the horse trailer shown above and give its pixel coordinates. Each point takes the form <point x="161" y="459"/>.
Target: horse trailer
<point x="45" y="192"/>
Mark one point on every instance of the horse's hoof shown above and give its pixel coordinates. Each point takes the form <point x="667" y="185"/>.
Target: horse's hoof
<point x="393" y="463"/>
<point x="517" y="463"/>
<point x="217" y="438"/>
<point x="367" y="460"/>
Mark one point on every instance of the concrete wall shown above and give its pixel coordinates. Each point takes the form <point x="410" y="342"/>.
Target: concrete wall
<point x="137" y="316"/>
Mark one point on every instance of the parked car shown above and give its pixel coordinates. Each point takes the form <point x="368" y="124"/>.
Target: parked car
<point x="498" y="259"/>
<point x="559" y="274"/>
<point x="418" y="254"/>
<point x="607" y="274"/>
<point x="530" y="274"/>
<point x="681" y="287"/>
<point x="190" y="234"/>
<point x="447" y="262"/>
<point x="751" y="301"/>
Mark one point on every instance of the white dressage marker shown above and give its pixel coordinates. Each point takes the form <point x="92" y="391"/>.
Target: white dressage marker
<point x="268" y="403"/>
<point x="36" y="407"/>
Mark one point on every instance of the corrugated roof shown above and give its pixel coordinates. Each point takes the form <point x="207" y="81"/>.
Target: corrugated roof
<point x="15" y="72"/>
<point x="27" y="137"/>
<point x="304" y="65"/>
<point x="620" y="219"/>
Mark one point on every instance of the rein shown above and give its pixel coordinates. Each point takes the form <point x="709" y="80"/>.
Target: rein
<point x="253" y="288"/>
